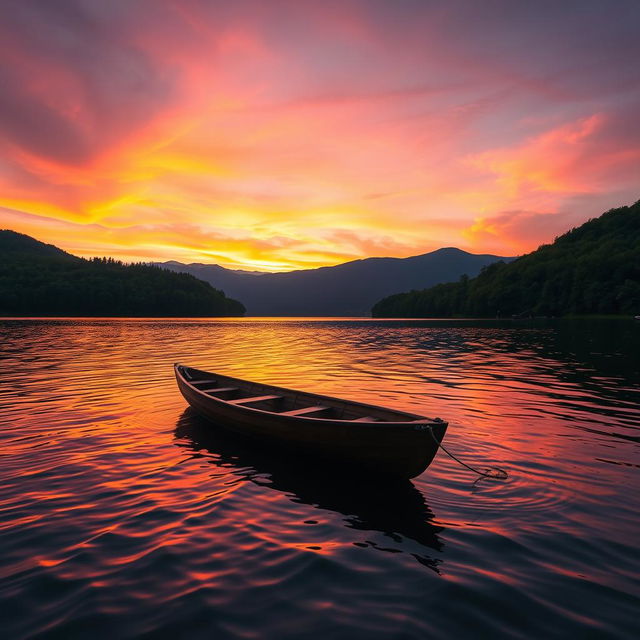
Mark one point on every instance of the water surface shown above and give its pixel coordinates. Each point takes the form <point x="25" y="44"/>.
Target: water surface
<point x="124" y="515"/>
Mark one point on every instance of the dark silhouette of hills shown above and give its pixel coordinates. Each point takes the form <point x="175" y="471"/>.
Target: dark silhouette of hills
<point x="348" y="289"/>
<point x="38" y="279"/>
<point x="18" y="246"/>
<point x="593" y="269"/>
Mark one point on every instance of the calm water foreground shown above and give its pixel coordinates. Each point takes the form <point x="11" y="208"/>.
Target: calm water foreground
<point x="122" y="515"/>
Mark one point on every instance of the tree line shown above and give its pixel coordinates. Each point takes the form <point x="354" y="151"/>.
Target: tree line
<point x="592" y="269"/>
<point x="41" y="280"/>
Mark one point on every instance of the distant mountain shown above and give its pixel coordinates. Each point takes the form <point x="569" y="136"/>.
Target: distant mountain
<point x="594" y="269"/>
<point x="348" y="289"/>
<point x="38" y="279"/>
<point x="170" y="264"/>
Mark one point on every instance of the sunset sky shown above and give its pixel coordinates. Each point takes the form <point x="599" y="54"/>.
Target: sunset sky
<point x="282" y="134"/>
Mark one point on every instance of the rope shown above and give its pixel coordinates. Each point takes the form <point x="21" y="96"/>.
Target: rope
<point x="492" y="472"/>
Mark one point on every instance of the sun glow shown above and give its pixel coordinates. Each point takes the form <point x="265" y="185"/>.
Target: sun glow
<point x="234" y="138"/>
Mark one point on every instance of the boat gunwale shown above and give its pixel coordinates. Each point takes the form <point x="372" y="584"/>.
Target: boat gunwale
<point x="413" y="420"/>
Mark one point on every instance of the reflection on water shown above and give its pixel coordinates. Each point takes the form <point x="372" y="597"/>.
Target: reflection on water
<point x="395" y="508"/>
<point x="124" y="515"/>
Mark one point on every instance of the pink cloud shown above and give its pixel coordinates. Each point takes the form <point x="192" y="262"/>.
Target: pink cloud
<point x="372" y="126"/>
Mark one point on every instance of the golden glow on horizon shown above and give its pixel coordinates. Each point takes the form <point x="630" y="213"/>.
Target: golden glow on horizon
<point x="240" y="144"/>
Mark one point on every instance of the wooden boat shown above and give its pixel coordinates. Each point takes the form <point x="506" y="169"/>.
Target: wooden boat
<point x="388" y="441"/>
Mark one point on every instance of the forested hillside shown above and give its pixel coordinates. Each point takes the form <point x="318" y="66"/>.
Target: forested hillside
<point x="37" y="279"/>
<point x="593" y="269"/>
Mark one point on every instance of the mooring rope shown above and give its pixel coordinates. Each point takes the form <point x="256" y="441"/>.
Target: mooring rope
<point x="492" y="472"/>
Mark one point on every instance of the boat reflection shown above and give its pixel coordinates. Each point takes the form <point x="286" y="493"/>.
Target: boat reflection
<point x="394" y="508"/>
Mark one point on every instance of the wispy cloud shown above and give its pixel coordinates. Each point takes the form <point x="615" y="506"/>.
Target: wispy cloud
<point x="296" y="133"/>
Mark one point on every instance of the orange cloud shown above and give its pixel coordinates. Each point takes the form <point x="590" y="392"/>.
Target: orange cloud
<point x="294" y="134"/>
<point x="519" y="231"/>
<point x="546" y="163"/>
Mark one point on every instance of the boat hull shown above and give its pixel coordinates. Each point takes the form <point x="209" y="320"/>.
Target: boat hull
<point x="400" y="449"/>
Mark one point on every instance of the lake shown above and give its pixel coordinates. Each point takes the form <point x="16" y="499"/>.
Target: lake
<point x="123" y="515"/>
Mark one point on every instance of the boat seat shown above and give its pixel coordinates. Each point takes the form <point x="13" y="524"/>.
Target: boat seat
<point x="210" y="381"/>
<point x="365" y="419"/>
<point x="219" y="389"/>
<point x="253" y="399"/>
<point x="304" y="410"/>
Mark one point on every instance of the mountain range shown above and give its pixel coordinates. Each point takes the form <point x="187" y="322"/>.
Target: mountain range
<point x="592" y="269"/>
<point x="348" y="289"/>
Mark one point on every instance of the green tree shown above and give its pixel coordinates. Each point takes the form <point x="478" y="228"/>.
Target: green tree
<point x="594" y="268"/>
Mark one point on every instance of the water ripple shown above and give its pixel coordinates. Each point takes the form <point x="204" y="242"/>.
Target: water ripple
<point x="122" y="514"/>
